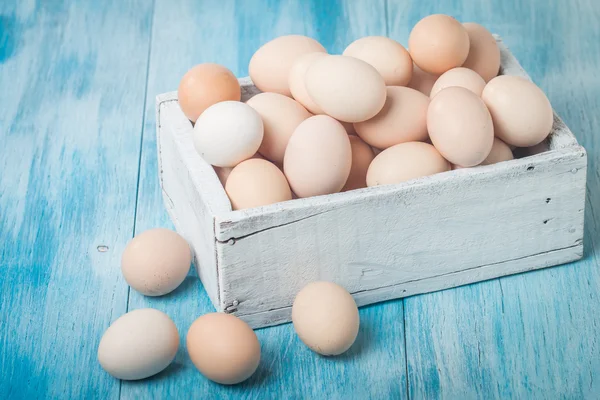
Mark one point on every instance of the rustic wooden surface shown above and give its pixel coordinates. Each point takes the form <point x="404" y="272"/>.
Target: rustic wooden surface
<point x="78" y="175"/>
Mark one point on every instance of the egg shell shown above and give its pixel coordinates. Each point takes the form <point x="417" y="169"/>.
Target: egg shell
<point x="402" y="119"/>
<point x="462" y="77"/>
<point x="228" y="133"/>
<point x="156" y="261"/>
<point x="280" y="116"/>
<point x="223" y="172"/>
<point x="205" y="85"/>
<point x="438" y="43"/>
<point x="325" y="317"/>
<point x="388" y="57"/>
<point x="346" y="88"/>
<point x="297" y="79"/>
<point x="405" y="161"/>
<point x="255" y="183"/>
<point x="318" y="157"/>
<point x="500" y="152"/>
<point x="484" y="54"/>
<point x="460" y="126"/>
<point x="521" y="111"/>
<point x="138" y="344"/>
<point x="422" y="81"/>
<point x="270" y="66"/>
<point x="362" y="155"/>
<point x="223" y="348"/>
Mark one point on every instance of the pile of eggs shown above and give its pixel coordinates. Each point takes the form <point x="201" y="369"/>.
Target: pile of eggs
<point x="377" y="114"/>
<point x="222" y="347"/>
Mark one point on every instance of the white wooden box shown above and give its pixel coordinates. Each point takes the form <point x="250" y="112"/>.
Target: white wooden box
<point x="380" y="243"/>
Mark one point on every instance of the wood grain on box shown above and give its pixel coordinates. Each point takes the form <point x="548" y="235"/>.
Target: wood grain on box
<point x="379" y="243"/>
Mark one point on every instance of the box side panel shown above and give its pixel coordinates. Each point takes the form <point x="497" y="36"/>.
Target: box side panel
<point x="186" y="206"/>
<point x="434" y="226"/>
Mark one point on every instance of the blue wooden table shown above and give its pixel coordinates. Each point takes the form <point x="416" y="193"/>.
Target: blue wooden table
<point x="78" y="178"/>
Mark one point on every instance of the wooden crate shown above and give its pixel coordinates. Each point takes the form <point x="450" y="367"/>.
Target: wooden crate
<point x="380" y="243"/>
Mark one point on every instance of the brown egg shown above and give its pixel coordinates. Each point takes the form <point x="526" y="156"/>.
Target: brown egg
<point x="223" y="172"/>
<point x="205" y="85"/>
<point x="438" y="43"/>
<point x="388" y="57"/>
<point x="346" y="88"/>
<point x="484" y="54"/>
<point x="460" y="126"/>
<point x="255" y="183"/>
<point x="500" y="152"/>
<point x="402" y="119"/>
<point x="521" y="111"/>
<point x="280" y="115"/>
<point x="325" y="318"/>
<point x="422" y="81"/>
<point x="297" y="81"/>
<point x="462" y="77"/>
<point x="271" y="64"/>
<point x="405" y="161"/>
<point x="318" y="158"/>
<point x="156" y="261"/>
<point x="362" y="155"/>
<point x="223" y="348"/>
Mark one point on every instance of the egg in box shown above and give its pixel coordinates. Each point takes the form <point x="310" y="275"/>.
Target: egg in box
<point x="369" y="161"/>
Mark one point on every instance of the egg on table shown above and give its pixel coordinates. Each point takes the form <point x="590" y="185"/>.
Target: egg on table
<point x="155" y="262"/>
<point x="138" y="344"/>
<point x="325" y="318"/>
<point x="223" y="348"/>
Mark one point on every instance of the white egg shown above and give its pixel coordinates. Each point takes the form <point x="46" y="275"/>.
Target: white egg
<point x="139" y="344"/>
<point x="228" y="133"/>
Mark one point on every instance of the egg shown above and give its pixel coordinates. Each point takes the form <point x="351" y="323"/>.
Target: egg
<point x="223" y="348"/>
<point x="500" y="152"/>
<point x="297" y="79"/>
<point x="223" y="172"/>
<point x="228" y="133"/>
<point x="484" y="54"/>
<point x="438" y="43"/>
<point x="255" y="183"/>
<point x="318" y="157"/>
<point x="362" y="155"/>
<point x="156" y="261"/>
<point x="325" y="318"/>
<point x="521" y="112"/>
<point x="402" y="119"/>
<point x="388" y="57"/>
<point x="205" y="85"/>
<point x="346" y="88"/>
<point x="422" y="81"/>
<point x="405" y="161"/>
<point x="460" y="126"/>
<point x="280" y="116"/>
<point x="270" y="66"/>
<point x="462" y="77"/>
<point x="138" y="344"/>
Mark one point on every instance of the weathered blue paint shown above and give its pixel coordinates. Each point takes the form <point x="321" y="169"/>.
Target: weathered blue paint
<point x="78" y="170"/>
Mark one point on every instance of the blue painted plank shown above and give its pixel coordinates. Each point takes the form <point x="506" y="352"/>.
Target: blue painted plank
<point x="533" y="335"/>
<point x="228" y="32"/>
<point x="72" y="87"/>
